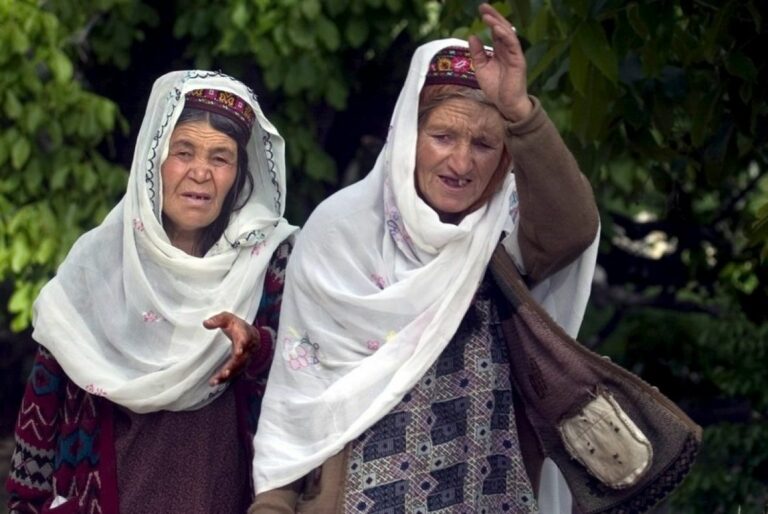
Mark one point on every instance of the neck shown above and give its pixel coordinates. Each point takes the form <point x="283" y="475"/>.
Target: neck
<point x="187" y="242"/>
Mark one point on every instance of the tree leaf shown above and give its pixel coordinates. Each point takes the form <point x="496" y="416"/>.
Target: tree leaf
<point x="521" y="12"/>
<point x="61" y="66"/>
<point x="20" y="152"/>
<point x="320" y="166"/>
<point x="591" y="38"/>
<point x="310" y="8"/>
<point x="20" y="253"/>
<point x="336" y="94"/>
<point x="240" y="15"/>
<point x="578" y="69"/>
<point x="636" y="20"/>
<point x="739" y="65"/>
<point x="328" y="33"/>
<point x="356" y="32"/>
<point x="542" y="64"/>
<point x="13" y="107"/>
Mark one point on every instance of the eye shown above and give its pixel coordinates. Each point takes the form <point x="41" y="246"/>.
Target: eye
<point x="219" y="160"/>
<point x="484" y="145"/>
<point x="441" y="138"/>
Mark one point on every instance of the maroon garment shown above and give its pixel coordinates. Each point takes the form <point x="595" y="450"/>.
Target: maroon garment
<point x="191" y="462"/>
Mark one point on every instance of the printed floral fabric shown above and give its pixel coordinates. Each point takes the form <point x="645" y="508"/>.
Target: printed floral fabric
<point x="451" y="444"/>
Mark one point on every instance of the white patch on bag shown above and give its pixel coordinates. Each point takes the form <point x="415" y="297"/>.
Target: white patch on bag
<point x="607" y="442"/>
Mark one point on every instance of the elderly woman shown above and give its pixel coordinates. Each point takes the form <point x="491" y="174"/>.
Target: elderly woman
<point x="124" y="410"/>
<point x="394" y="388"/>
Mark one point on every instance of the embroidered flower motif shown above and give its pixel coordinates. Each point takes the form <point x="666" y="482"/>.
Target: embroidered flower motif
<point x="138" y="225"/>
<point x="378" y="280"/>
<point x="396" y="228"/>
<point x="301" y="351"/>
<point x="390" y="336"/>
<point x="444" y="64"/>
<point x="373" y="345"/>
<point x="150" y="317"/>
<point x="95" y="390"/>
<point x="298" y="358"/>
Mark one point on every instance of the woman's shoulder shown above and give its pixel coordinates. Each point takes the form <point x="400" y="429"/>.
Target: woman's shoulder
<point x="347" y="209"/>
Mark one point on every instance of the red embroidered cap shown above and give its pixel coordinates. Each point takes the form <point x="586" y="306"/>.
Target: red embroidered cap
<point x="452" y="65"/>
<point x="224" y="103"/>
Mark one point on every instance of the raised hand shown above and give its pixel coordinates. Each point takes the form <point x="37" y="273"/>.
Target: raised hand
<point x="245" y="340"/>
<point x="502" y="77"/>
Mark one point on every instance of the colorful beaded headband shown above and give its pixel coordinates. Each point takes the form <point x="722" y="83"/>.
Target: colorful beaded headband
<point x="224" y="103"/>
<point x="452" y="65"/>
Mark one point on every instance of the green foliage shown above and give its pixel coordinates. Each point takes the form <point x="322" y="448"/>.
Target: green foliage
<point x="54" y="183"/>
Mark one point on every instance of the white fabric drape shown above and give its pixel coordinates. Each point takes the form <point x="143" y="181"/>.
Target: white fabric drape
<point x="123" y="316"/>
<point x="375" y="289"/>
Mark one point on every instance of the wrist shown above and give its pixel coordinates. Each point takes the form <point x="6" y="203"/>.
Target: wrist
<point x="522" y="109"/>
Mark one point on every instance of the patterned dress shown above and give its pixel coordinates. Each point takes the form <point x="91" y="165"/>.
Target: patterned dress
<point x="450" y="445"/>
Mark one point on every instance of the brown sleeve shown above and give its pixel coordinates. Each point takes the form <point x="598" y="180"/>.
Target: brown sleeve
<point x="558" y="214"/>
<point x="277" y="501"/>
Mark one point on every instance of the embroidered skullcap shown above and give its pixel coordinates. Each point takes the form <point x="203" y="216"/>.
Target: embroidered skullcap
<point x="224" y="103"/>
<point x="453" y="65"/>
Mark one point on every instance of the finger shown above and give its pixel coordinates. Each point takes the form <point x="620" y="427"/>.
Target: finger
<point x="477" y="52"/>
<point x="218" y="321"/>
<point x="224" y="373"/>
<point x="232" y="367"/>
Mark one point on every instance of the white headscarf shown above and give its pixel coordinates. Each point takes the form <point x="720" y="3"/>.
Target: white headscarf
<point x="375" y="289"/>
<point x="123" y="316"/>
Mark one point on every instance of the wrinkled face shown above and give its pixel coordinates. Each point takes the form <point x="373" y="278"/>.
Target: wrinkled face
<point x="459" y="148"/>
<point x="197" y="175"/>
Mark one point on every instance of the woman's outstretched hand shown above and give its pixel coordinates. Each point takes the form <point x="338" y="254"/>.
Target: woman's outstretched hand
<point x="245" y="340"/>
<point x="502" y="77"/>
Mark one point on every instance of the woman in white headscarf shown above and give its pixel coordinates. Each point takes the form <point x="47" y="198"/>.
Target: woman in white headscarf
<point x="391" y="379"/>
<point x="125" y="410"/>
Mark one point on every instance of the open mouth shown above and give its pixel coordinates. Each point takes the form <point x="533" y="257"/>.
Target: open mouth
<point x="454" y="182"/>
<point x="198" y="197"/>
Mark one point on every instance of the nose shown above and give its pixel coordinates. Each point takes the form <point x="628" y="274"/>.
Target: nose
<point x="200" y="169"/>
<point x="461" y="159"/>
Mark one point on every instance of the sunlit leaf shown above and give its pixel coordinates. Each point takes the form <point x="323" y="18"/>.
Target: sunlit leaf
<point x="61" y="66"/>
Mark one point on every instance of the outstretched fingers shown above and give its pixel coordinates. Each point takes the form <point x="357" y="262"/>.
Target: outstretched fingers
<point x="244" y="339"/>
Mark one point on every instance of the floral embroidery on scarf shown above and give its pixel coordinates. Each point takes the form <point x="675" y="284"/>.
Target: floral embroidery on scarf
<point x="375" y="344"/>
<point x="95" y="390"/>
<point x="150" y="317"/>
<point x="396" y="228"/>
<point x="138" y="225"/>
<point x="379" y="280"/>
<point x="254" y="237"/>
<point x="256" y="250"/>
<point x="301" y="351"/>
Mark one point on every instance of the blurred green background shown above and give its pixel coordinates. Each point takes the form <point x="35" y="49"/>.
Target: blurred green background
<point x="662" y="102"/>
